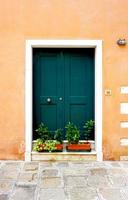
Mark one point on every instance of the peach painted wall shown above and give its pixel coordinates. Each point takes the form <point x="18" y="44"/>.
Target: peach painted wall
<point x="106" y="20"/>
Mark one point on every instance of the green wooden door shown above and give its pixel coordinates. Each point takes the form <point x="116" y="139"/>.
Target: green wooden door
<point x="63" y="87"/>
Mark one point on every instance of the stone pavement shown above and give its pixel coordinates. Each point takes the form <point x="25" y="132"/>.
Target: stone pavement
<point x="63" y="180"/>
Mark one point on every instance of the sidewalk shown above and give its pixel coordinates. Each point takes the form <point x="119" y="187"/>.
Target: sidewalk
<point x="63" y="180"/>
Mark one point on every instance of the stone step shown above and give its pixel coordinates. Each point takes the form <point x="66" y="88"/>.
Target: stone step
<point x="67" y="156"/>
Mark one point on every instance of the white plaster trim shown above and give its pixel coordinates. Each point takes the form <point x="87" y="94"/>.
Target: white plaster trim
<point x="97" y="44"/>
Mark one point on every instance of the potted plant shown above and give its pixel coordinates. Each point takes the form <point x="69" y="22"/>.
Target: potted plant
<point x="51" y="146"/>
<point x="58" y="137"/>
<point x="47" y="146"/>
<point x="88" y="132"/>
<point x="44" y="135"/>
<point x="73" y="136"/>
<point x="46" y="142"/>
<point x="39" y="145"/>
<point x="43" y="132"/>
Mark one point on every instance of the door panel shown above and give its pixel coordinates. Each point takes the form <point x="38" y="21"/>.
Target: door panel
<point x="66" y="76"/>
<point x="79" y="87"/>
<point x="47" y="111"/>
<point x="48" y="65"/>
<point x="47" y="84"/>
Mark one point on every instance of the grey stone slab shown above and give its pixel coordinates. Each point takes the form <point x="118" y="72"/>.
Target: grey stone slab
<point x="51" y="182"/>
<point x="110" y="194"/>
<point x="23" y="193"/>
<point x="10" y="170"/>
<point x="117" y="181"/>
<point x="61" y="164"/>
<point x="27" y="178"/>
<point x="11" y="166"/>
<point x="98" y="164"/>
<point x="126" y="180"/>
<point x="124" y="164"/>
<point x="31" y="166"/>
<point x="77" y="165"/>
<point x="97" y="181"/>
<point x="98" y="171"/>
<point x="10" y="175"/>
<point x="125" y="192"/>
<point x="115" y="164"/>
<point x="50" y="172"/>
<point x="88" y="164"/>
<point x="52" y="194"/>
<point x="45" y="164"/>
<point x="6" y="186"/>
<point x="76" y="193"/>
<point x="75" y="172"/>
<point x="71" y="181"/>
<point x="4" y="197"/>
<point x="116" y="171"/>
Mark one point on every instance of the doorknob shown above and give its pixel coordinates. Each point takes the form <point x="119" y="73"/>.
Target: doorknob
<point x="60" y="98"/>
<point x="49" y="100"/>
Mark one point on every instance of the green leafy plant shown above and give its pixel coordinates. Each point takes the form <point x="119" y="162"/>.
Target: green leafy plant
<point x="89" y="129"/>
<point x="38" y="145"/>
<point x="43" y="132"/>
<point x="58" y="136"/>
<point x="50" y="145"/>
<point x="72" y="133"/>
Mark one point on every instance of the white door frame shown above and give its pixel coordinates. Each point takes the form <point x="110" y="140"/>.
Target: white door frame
<point x="97" y="44"/>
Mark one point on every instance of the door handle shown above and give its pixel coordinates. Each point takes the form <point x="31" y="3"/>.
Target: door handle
<point x="49" y="100"/>
<point x="60" y="98"/>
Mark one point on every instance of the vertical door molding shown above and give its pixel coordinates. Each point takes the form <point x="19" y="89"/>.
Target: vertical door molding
<point x="97" y="44"/>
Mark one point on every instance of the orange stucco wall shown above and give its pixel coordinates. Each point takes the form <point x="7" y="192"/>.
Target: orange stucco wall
<point x="106" y="20"/>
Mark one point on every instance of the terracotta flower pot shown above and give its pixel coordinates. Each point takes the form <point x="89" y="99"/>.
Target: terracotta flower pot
<point x="59" y="147"/>
<point x="79" y="147"/>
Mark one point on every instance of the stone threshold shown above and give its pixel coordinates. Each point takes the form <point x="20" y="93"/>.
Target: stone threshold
<point x="64" y="156"/>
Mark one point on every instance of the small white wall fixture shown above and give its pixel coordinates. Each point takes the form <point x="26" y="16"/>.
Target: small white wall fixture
<point x="97" y="45"/>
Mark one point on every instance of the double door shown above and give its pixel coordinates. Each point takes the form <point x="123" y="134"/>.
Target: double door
<point x="63" y="87"/>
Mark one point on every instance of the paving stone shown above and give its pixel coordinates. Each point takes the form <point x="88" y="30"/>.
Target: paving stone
<point x="110" y="194"/>
<point x="126" y="181"/>
<point x="76" y="193"/>
<point x="10" y="175"/>
<point x="23" y="193"/>
<point x="117" y="181"/>
<point x="115" y="164"/>
<point x="97" y="181"/>
<point x="98" y="164"/>
<point x="75" y="172"/>
<point x="124" y="164"/>
<point x="30" y="166"/>
<point x="125" y="193"/>
<point x="49" y="182"/>
<point x="88" y="164"/>
<point x="116" y="171"/>
<point x="78" y="165"/>
<point x="43" y="165"/>
<point x="52" y="194"/>
<point x="50" y="172"/>
<point x="4" y="197"/>
<point x="61" y="164"/>
<point x="27" y="177"/>
<point x="98" y="171"/>
<point x="11" y="166"/>
<point x="75" y="181"/>
<point x="6" y="186"/>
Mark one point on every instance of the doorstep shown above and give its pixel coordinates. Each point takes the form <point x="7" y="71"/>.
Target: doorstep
<point x="64" y="156"/>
